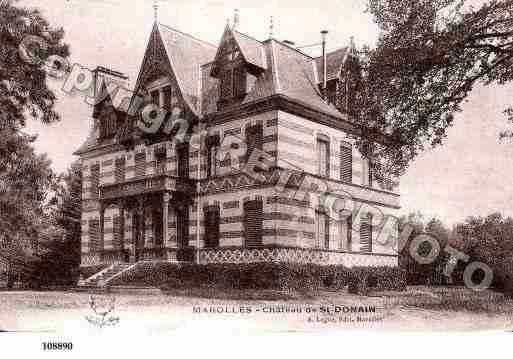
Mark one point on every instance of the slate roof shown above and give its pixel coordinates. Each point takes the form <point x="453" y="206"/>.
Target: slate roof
<point x="187" y="54"/>
<point x="252" y="49"/>
<point x="285" y="71"/>
<point x="334" y="61"/>
<point x="289" y="72"/>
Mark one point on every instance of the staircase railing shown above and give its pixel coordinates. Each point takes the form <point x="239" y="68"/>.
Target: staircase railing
<point x="108" y="280"/>
<point x="94" y="276"/>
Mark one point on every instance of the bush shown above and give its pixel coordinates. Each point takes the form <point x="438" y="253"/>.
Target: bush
<point x="364" y="279"/>
<point x="264" y="275"/>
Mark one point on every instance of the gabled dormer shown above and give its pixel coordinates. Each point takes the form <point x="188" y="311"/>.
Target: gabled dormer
<point x="343" y="77"/>
<point x="239" y="60"/>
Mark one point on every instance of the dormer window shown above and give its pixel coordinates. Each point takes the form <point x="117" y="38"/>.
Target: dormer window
<point x="108" y="121"/>
<point x="233" y="83"/>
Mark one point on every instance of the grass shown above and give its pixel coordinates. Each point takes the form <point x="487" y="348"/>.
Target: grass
<point x="419" y="307"/>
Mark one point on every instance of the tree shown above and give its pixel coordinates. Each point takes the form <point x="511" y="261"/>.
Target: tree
<point x="25" y="177"/>
<point x="429" y="56"/>
<point x="23" y="88"/>
<point x="490" y="240"/>
<point x="60" y="235"/>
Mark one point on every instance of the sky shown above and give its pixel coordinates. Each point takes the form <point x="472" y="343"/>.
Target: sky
<point x="468" y="175"/>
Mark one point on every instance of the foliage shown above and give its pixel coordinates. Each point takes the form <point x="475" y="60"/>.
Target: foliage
<point x="490" y="240"/>
<point x="23" y="88"/>
<point x="59" y="238"/>
<point x="262" y="276"/>
<point x="25" y="177"/>
<point x="429" y="56"/>
<point x="432" y="273"/>
<point x="364" y="279"/>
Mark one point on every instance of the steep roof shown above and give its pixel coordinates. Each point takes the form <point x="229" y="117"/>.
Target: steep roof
<point x="252" y="50"/>
<point x="289" y="72"/>
<point x="186" y="55"/>
<point x="282" y="70"/>
<point x="334" y="61"/>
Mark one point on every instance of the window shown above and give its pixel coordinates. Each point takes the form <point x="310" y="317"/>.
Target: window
<point x="233" y="83"/>
<point x="168" y="93"/>
<point x="239" y="81"/>
<point x="182" y="226"/>
<point x="211" y="226"/>
<point x="95" y="180"/>
<point x="94" y="235"/>
<point x="254" y="139"/>
<point x="160" y="160"/>
<point x="346" y="233"/>
<point x="366" y="233"/>
<point x="323" y="229"/>
<point x="331" y="88"/>
<point x="108" y="121"/>
<point x="226" y="87"/>
<point x="346" y="162"/>
<point x="155" y="97"/>
<point x="253" y="223"/>
<point x="120" y="172"/>
<point x="369" y="173"/>
<point x="157" y="222"/>
<point x="212" y="150"/>
<point x="140" y="164"/>
<point x="183" y="160"/>
<point x="323" y="156"/>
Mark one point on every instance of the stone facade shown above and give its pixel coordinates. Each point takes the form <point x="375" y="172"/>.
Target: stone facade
<point x="145" y="200"/>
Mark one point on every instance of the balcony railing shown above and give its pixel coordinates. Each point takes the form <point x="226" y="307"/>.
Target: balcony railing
<point x="150" y="184"/>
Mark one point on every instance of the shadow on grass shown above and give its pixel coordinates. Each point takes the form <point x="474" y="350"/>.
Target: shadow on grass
<point x="454" y="299"/>
<point x="239" y="294"/>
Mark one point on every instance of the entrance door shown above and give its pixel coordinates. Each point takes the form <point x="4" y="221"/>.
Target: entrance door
<point x="183" y="160"/>
<point x="138" y="237"/>
<point x="182" y="226"/>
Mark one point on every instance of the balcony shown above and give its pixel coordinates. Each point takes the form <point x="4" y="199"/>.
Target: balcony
<point x="147" y="185"/>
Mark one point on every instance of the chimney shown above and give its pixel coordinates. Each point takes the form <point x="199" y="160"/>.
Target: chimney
<point x="235" y="20"/>
<point x="324" y="65"/>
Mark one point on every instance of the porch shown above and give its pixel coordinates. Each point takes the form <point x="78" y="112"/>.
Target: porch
<point x="141" y="229"/>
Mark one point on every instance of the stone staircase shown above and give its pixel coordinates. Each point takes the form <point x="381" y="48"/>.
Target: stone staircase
<point x="99" y="279"/>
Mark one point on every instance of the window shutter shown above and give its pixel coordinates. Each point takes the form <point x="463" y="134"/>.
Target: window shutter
<point x="226" y="85"/>
<point x="323" y="229"/>
<point x="346" y="233"/>
<point x="95" y="180"/>
<point x="239" y="81"/>
<point x="94" y="235"/>
<point x="253" y="223"/>
<point x="346" y="163"/>
<point x="183" y="161"/>
<point x="182" y="226"/>
<point x="212" y="144"/>
<point x="155" y="98"/>
<point x="167" y="97"/>
<point x="120" y="169"/>
<point x="212" y="227"/>
<point x="254" y="139"/>
<point x="323" y="158"/>
<point x="366" y="233"/>
<point x="140" y="164"/>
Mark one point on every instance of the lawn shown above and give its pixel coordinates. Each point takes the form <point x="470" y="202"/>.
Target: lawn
<point x="418" y="308"/>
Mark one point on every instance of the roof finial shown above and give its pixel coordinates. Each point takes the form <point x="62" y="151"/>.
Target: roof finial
<point x="235" y="19"/>
<point x="352" y="46"/>
<point x="271" y="28"/>
<point x="156" y="10"/>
